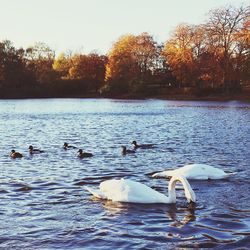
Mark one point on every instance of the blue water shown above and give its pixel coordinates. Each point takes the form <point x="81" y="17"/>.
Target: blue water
<point x="43" y="202"/>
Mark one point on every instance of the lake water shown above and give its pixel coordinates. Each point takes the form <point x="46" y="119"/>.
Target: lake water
<point x="43" y="202"/>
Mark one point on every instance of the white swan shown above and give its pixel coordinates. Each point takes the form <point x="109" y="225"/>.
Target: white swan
<point x="131" y="191"/>
<point x="195" y="172"/>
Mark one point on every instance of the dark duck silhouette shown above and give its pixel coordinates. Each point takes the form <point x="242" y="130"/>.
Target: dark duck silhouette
<point x="127" y="151"/>
<point x="33" y="150"/>
<point x="67" y="146"/>
<point x="14" y="154"/>
<point x="143" y="146"/>
<point x="82" y="154"/>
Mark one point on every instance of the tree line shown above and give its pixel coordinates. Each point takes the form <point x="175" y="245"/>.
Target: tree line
<point x="213" y="57"/>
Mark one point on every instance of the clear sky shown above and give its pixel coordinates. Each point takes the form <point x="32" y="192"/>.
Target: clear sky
<point x="89" y="25"/>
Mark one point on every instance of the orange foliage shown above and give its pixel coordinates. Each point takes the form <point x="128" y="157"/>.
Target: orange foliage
<point x="130" y="58"/>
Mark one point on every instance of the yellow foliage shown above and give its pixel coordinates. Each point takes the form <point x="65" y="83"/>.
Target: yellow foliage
<point x="130" y="57"/>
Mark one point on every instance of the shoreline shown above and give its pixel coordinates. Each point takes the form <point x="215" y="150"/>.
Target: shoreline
<point x="223" y="97"/>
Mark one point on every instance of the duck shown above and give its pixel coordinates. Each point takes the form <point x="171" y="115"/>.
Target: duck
<point x="14" y="154"/>
<point x="195" y="172"/>
<point x="67" y="146"/>
<point x="33" y="150"/>
<point x="143" y="146"/>
<point x="82" y="154"/>
<point x="127" y="151"/>
<point x="125" y="190"/>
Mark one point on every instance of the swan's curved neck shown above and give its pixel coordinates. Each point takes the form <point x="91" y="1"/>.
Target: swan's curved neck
<point x="189" y="193"/>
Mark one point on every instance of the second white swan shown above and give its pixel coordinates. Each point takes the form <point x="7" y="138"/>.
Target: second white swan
<point x="131" y="191"/>
<point x="195" y="172"/>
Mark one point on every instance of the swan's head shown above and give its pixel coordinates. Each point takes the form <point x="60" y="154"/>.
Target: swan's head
<point x="30" y="147"/>
<point x="190" y="195"/>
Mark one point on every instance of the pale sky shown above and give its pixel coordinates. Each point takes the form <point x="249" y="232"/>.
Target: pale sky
<point x="94" y="25"/>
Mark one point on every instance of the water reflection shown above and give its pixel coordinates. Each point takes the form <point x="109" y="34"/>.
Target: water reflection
<point x="180" y="221"/>
<point x="179" y="217"/>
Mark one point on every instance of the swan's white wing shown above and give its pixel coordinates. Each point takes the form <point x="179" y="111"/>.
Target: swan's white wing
<point x="131" y="191"/>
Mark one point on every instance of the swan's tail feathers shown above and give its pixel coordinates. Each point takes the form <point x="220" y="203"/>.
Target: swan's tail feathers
<point x="96" y="193"/>
<point x="163" y="174"/>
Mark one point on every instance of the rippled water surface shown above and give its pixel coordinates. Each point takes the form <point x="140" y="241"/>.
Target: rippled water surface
<point x="43" y="202"/>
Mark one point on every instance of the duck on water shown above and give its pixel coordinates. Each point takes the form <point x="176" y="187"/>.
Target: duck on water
<point x="14" y="154"/>
<point x="127" y="151"/>
<point x="67" y="146"/>
<point x="142" y="146"/>
<point x="82" y="154"/>
<point x="33" y="150"/>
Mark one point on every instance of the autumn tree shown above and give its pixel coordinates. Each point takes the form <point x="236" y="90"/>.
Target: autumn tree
<point x="241" y="61"/>
<point x="39" y="61"/>
<point x="145" y="53"/>
<point x="12" y="68"/>
<point x="207" y="70"/>
<point x="131" y="61"/>
<point x="226" y="31"/>
<point x="179" y="54"/>
<point x="89" y="68"/>
<point x="121" y="68"/>
<point x="62" y="65"/>
<point x="213" y="54"/>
